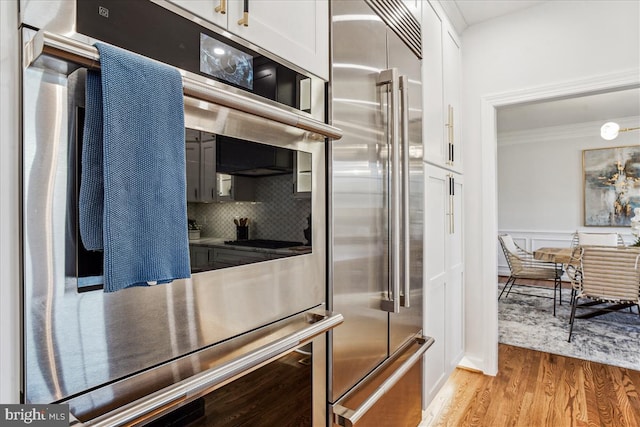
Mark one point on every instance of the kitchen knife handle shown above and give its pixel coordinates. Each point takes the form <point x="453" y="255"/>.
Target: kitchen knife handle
<point x="390" y="79"/>
<point x="222" y="7"/>
<point x="404" y="111"/>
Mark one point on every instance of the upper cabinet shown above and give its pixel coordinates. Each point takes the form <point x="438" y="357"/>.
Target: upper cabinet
<point x="201" y="166"/>
<point x="441" y="85"/>
<point x="297" y="31"/>
<point x="451" y="72"/>
<point x="302" y="174"/>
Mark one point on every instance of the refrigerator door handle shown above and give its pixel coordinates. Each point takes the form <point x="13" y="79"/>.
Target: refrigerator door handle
<point x="390" y="77"/>
<point x="344" y="416"/>
<point x="406" y="282"/>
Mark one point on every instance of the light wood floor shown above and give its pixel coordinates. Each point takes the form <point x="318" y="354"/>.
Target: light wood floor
<point x="538" y="389"/>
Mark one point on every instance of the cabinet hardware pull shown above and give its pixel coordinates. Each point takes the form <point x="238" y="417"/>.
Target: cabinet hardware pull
<point x="222" y="7"/>
<point x="453" y="204"/>
<point x="245" y="15"/>
<point x="450" y="112"/>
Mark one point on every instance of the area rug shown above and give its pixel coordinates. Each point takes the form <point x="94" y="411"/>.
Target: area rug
<point x="528" y="321"/>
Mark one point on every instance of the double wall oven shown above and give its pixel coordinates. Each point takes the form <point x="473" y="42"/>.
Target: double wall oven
<point x="253" y="312"/>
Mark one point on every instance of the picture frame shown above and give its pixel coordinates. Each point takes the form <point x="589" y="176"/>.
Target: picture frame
<point x="611" y="182"/>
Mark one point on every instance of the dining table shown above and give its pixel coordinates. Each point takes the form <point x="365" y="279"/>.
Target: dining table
<point x="556" y="255"/>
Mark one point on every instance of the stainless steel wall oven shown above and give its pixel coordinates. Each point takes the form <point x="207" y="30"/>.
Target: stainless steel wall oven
<point x="255" y="301"/>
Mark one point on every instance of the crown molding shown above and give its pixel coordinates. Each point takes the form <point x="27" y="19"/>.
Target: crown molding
<point x="618" y="80"/>
<point x="562" y="132"/>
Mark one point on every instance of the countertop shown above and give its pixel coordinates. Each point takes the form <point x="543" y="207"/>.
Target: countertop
<point x="217" y="242"/>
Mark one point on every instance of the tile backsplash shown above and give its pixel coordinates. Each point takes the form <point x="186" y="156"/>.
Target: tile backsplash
<point x="275" y="214"/>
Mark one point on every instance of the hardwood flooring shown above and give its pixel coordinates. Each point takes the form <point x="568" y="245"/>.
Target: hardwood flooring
<point x="538" y="389"/>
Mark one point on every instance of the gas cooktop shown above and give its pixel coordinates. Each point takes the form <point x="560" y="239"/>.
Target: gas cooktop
<point x="263" y="243"/>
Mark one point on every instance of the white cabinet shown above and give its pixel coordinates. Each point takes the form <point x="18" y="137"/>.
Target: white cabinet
<point x="235" y="188"/>
<point x="451" y="72"/>
<point x="202" y="257"/>
<point x="441" y="86"/>
<point x="297" y="31"/>
<point x="230" y="257"/>
<point x="211" y="10"/>
<point x="443" y="275"/>
<point x="200" y="151"/>
<point x="302" y="175"/>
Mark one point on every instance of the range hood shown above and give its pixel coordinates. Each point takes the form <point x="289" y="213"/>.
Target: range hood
<point x="244" y="158"/>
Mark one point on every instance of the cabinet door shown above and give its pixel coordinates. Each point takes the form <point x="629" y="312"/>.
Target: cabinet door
<point x="444" y="275"/>
<point x="435" y="271"/>
<point x="455" y="276"/>
<point x="235" y="188"/>
<point x="192" y="154"/>
<point x="451" y="80"/>
<point x="201" y="257"/>
<point x="434" y="129"/>
<point x="208" y="167"/>
<point x="210" y="10"/>
<point x="297" y="31"/>
<point x="302" y="175"/>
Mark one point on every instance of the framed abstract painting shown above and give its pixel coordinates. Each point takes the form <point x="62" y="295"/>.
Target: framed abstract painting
<point x="611" y="185"/>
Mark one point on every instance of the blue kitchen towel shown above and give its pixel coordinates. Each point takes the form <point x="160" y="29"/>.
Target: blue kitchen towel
<point x="133" y="183"/>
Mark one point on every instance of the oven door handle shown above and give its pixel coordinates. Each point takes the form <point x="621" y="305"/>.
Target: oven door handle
<point x="158" y="403"/>
<point x="64" y="55"/>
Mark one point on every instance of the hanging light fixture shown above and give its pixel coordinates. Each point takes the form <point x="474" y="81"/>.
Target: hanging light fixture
<point x="610" y="130"/>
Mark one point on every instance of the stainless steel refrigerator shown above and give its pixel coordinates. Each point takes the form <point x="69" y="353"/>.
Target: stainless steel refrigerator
<point x="376" y="215"/>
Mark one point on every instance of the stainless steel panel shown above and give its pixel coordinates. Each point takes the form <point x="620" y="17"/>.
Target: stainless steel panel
<point x="364" y="188"/>
<point x="73" y="341"/>
<point x="153" y="393"/>
<point x="390" y="395"/>
<point x="405" y="324"/>
<point x="53" y="52"/>
<point x="360" y="195"/>
<point x="59" y="17"/>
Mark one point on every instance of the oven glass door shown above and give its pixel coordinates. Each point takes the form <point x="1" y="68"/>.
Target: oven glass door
<point x="277" y="394"/>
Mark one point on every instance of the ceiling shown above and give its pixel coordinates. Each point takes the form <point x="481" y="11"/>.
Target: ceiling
<point x="464" y="13"/>
<point x="475" y="11"/>
<point x="584" y="109"/>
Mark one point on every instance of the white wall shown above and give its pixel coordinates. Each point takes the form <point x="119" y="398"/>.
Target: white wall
<point x="556" y="42"/>
<point x="9" y="222"/>
<point x="540" y="177"/>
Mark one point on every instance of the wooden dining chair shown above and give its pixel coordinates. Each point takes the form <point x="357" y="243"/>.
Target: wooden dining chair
<point x="608" y="275"/>
<point x="522" y="265"/>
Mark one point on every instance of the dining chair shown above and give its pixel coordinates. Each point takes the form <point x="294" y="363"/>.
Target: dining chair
<point x="522" y="265"/>
<point x="608" y="275"/>
<point x="581" y="238"/>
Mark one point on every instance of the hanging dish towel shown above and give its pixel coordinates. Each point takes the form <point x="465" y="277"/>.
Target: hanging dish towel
<point x="133" y="185"/>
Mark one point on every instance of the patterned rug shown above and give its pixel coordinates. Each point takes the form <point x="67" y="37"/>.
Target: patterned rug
<point x="527" y="321"/>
